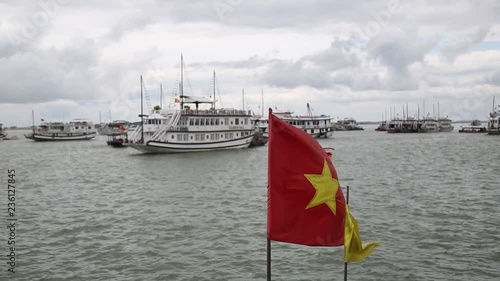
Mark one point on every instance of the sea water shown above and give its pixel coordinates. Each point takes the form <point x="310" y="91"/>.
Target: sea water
<point x="87" y="211"/>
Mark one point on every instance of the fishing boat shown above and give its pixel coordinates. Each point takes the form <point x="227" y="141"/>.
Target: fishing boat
<point x="321" y="126"/>
<point x="77" y="129"/>
<point x="184" y="129"/>
<point x="494" y="120"/>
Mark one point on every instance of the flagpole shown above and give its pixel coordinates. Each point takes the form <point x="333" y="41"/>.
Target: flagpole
<point x="268" y="259"/>
<point x="345" y="263"/>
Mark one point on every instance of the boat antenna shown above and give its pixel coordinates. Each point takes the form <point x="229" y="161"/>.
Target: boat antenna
<point x="243" y="97"/>
<point x="142" y="116"/>
<point x="493" y="107"/>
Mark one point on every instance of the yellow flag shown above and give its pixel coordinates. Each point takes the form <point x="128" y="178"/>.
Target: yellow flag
<point x="354" y="250"/>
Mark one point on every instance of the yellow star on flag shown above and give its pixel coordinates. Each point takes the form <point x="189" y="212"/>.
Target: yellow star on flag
<point x="326" y="189"/>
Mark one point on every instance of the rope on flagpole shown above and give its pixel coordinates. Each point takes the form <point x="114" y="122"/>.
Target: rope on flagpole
<point x="345" y="263"/>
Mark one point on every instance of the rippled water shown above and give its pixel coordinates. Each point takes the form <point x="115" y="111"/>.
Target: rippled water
<point x="87" y="211"/>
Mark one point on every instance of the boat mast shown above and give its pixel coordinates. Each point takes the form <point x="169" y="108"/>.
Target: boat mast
<point x="181" y="88"/>
<point x="142" y="116"/>
<point x="262" y="101"/>
<point x="243" y="97"/>
<point x="214" y="90"/>
<point x="33" y="120"/>
<point x="161" y="96"/>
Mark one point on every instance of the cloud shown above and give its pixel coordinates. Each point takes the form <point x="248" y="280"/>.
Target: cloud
<point x="452" y="51"/>
<point x="89" y="56"/>
<point x="397" y="49"/>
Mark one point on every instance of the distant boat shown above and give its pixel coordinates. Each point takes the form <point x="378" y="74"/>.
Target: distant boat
<point x="320" y="126"/>
<point x="348" y="124"/>
<point x="494" y="120"/>
<point x="77" y="129"/>
<point x="382" y="126"/>
<point x="428" y="125"/>
<point x="474" y="127"/>
<point x="115" y="127"/>
<point x="5" y="136"/>
<point x="445" y="125"/>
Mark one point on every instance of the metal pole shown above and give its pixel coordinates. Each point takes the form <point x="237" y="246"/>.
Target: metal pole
<point x="345" y="263"/>
<point x="268" y="259"/>
<point x="142" y="116"/>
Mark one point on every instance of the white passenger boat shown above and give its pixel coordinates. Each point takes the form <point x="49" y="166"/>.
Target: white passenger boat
<point x="186" y="129"/>
<point x="77" y="129"/>
<point x="116" y="127"/>
<point x="321" y="126"/>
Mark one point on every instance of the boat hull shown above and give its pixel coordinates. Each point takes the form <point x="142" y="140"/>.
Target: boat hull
<point x="58" y="137"/>
<point x="446" y="130"/>
<point x="172" y="147"/>
<point x="493" y="132"/>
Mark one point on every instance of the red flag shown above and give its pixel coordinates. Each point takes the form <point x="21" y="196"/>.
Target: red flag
<point x="305" y="202"/>
<point x="121" y="127"/>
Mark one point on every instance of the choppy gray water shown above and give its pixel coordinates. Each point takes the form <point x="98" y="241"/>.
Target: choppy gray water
<point x="87" y="211"/>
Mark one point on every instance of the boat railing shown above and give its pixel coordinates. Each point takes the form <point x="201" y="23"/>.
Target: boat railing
<point x="135" y="135"/>
<point x="172" y="122"/>
<point x="216" y="112"/>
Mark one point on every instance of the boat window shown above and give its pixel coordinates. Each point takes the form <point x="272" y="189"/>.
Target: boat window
<point x="226" y="120"/>
<point x="217" y="121"/>
<point x="185" y="137"/>
<point x="236" y="121"/>
<point x="191" y="137"/>
<point x="202" y="122"/>
<point x="246" y="121"/>
<point x="179" y="137"/>
<point x="212" y="121"/>
<point x="76" y="127"/>
<point x="191" y="121"/>
<point x="197" y="122"/>
<point x="236" y="134"/>
<point x="221" y="136"/>
<point x="207" y="137"/>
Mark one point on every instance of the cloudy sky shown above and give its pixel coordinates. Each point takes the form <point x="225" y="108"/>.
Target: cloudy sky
<point x="66" y="59"/>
